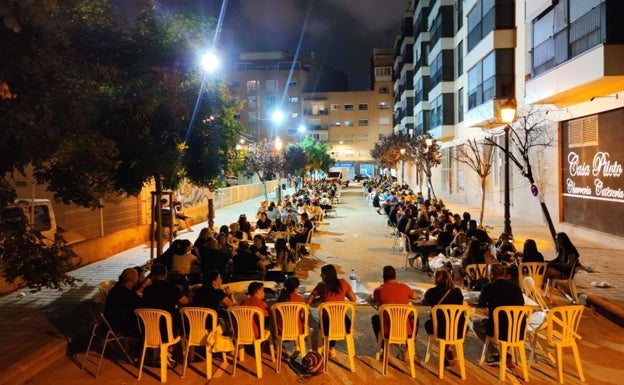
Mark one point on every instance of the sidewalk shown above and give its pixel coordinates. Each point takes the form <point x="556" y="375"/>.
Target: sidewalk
<point x="40" y="329"/>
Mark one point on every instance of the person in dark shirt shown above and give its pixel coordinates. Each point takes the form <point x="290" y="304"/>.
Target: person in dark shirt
<point x="163" y="295"/>
<point x="530" y="253"/>
<point x="212" y="258"/>
<point x="501" y="291"/>
<point x="121" y="302"/>
<point x="245" y="261"/>
<point x="475" y="232"/>
<point x="212" y="296"/>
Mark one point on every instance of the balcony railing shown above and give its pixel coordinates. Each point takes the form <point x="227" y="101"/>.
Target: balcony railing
<point x="583" y="34"/>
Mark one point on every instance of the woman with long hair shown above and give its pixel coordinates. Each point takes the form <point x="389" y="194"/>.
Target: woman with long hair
<point x="567" y="257"/>
<point x="530" y="253"/>
<point x="443" y="293"/>
<point x="332" y="289"/>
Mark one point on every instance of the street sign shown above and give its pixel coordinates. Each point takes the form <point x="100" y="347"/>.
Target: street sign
<point x="534" y="190"/>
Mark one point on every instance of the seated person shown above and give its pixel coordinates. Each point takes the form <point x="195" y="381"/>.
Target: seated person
<point x="177" y="209"/>
<point x="244" y="262"/>
<point x="255" y="298"/>
<point x="445" y="237"/>
<point x="505" y="249"/>
<point x="301" y="236"/>
<point x="212" y="258"/>
<point x="501" y="291"/>
<point x="459" y="243"/>
<point x="567" y="257"/>
<point x="475" y="232"/>
<point x="530" y="253"/>
<point x="245" y="226"/>
<point x="263" y="223"/>
<point x="212" y="296"/>
<point x="443" y="293"/>
<point x="184" y="262"/>
<point x="391" y="292"/>
<point x="121" y="302"/>
<point x="235" y="232"/>
<point x="260" y="250"/>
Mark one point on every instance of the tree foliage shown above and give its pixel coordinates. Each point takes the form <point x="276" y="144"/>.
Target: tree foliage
<point x="264" y="160"/>
<point x="388" y="151"/>
<point x="317" y="155"/>
<point x="295" y="160"/>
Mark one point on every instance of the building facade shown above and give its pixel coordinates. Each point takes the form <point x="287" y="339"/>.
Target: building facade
<point x="563" y="62"/>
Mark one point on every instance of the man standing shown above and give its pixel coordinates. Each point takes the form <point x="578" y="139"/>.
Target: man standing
<point x="501" y="291"/>
<point x="390" y="292"/>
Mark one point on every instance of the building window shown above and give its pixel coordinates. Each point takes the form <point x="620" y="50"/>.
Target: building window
<point x="363" y="107"/>
<point x="483" y="18"/>
<point x="348" y="138"/>
<point x="252" y="85"/>
<point x="334" y="123"/>
<point x="384" y="121"/>
<point x="334" y="107"/>
<point x="293" y="99"/>
<point x="460" y="14"/>
<point x="349" y="107"/>
<point x="383" y="71"/>
<point x="348" y="123"/>
<point x="271" y="85"/>
<point x="436" y="112"/>
<point x="460" y="58"/>
<point x="491" y="78"/>
<point x="270" y="102"/>
<point x="383" y="90"/>
<point x="294" y="114"/>
<point x="363" y="122"/>
<point x="383" y="105"/>
<point x="460" y="105"/>
<point x="383" y="137"/>
<point x="292" y="83"/>
<point x="363" y="138"/>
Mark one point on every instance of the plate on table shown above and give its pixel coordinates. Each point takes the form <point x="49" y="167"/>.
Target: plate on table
<point x="472" y="297"/>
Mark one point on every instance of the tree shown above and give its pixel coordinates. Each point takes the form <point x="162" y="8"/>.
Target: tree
<point x="477" y="154"/>
<point x="388" y="151"/>
<point x="295" y="160"/>
<point x="317" y="155"/>
<point x="264" y="160"/>
<point x="100" y="106"/>
<point x="529" y="132"/>
<point x="428" y="156"/>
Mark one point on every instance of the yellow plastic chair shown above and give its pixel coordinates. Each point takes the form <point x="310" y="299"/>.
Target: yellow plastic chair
<point x="475" y="271"/>
<point x="398" y="316"/>
<point x="517" y="320"/>
<point x="454" y="332"/>
<point x="242" y="319"/>
<point x="535" y="270"/>
<point x="101" y="326"/>
<point x="336" y="312"/>
<point x="292" y="316"/>
<point x="150" y="320"/>
<point x="197" y="334"/>
<point x="560" y="332"/>
<point x="569" y="281"/>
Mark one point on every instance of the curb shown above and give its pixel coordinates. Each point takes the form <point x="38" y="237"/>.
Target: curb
<point x="612" y="311"/>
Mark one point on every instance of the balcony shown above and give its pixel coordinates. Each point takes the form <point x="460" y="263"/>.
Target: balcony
<point x="578" y="62"/>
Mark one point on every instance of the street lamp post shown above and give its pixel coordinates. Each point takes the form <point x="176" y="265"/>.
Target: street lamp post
<point x="508" y="113"/>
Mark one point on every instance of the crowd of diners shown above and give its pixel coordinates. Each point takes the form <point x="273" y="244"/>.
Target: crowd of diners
<point x="211" y="260"/>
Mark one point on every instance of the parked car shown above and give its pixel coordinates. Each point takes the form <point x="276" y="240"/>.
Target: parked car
<point x="361" y="177"/>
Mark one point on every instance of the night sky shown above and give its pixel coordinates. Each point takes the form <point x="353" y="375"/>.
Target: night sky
<point x="343" y="33"/>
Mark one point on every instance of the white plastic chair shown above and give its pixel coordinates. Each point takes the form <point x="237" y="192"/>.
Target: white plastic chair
<point x="150" y="319"/>
<point x="197" y="334"/>
<point x="290" y="323"/>
<point x="244" y="319"/>
<point x="398" y="317"/>
<point x="454" y="334"/>
<point x="336" y="312"/>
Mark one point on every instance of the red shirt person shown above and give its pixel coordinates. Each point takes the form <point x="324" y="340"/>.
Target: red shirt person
<point x="391" y="292"/>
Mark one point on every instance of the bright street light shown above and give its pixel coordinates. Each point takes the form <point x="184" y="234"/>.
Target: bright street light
<point x="278" y="144"/>
<point x="210" y="62"/>
<point x="277" y="116"/>
<point x="301" y="128"/>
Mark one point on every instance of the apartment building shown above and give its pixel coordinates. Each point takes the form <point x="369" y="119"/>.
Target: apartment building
<point x="563" y="59"/>
<point x="353" y="121"/>
<point x="275" y="81"/>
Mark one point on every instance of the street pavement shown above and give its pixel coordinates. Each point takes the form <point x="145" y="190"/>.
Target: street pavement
<point x="44" y="334"/>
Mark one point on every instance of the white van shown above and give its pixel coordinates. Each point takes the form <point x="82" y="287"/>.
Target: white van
<point x="38" y="212"/>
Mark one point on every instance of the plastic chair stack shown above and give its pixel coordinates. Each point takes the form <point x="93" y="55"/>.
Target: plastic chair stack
<point x="394" y="319"/>
<point x="245" y="320"/>
<point x="290" y="323"/>
<point x="150" y="319"/>
<point x="337" y="330"/>
<point x="455" y="326"/>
